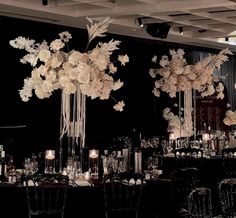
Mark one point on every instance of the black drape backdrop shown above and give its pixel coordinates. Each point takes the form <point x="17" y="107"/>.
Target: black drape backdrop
<point x="142" y="111"/>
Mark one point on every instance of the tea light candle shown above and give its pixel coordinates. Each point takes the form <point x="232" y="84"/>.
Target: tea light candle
<point x="50" y="154"/>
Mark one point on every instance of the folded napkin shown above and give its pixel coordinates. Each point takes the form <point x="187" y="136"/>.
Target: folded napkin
<point x="82" y="183"/>
<point x="30" y="183"/>
<point x="132" y="182"/>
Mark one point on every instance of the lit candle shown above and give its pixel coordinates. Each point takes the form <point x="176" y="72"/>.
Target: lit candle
<point x="50" y="154"/>
<point x="86" y="175"/>
<point x="172" y="136"/>
<point x="49" y="161"/>
<point x="138" y="161"/>
<point x="93" y="153"/>
<point x="205" y="136"/>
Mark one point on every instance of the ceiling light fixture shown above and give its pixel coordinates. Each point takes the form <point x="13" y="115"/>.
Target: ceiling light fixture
<point x="159" y="30"/>
<point x="140" y="22"/>
<point x="226" y="39"/>
<point x="202" y="31"/>
<point x="44" y="2"/>
<point x="181" y="30"/>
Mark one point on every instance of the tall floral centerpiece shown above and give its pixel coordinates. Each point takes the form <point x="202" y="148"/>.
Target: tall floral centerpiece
<point x="174" y="75"/>
<point x="77" y="74"/>
<point x="230" y="120"/>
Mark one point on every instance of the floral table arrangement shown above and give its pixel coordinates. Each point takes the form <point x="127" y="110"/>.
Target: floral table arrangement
<point x="77" y="74"/>
<point x="175" y="75"/>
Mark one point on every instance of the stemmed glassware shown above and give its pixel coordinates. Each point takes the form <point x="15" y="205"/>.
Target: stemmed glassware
<point x="30" y="165"/>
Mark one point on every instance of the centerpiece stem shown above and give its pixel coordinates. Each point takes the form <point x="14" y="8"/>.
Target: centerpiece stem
<point x="194" y="117"/>
<point x="73" y="124"/>
<point x="180" y="104"/>
<point x="188" y="124"/>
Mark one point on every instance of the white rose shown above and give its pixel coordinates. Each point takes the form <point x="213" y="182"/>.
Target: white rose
<point x="74" y="57"/>
<point x="57" y="44"/>
<point x="70" y="88"/>
<point x="44" y="55"/>
<point x="63" y="80"/>
<point x="83" y="77"/>
<point x="56" y="60"/>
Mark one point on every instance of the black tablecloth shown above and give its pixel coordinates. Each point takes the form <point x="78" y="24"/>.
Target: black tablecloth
<point x="88" y="201"/>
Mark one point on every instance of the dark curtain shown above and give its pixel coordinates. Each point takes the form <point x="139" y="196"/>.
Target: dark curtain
<point x="143" y="111"/>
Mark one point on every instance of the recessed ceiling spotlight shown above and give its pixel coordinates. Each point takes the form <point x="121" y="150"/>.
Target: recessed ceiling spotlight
<point x="44" y="2"/>
<point x="140" y="22"/>
<point x="181" y="30"/>
<point x="202" y="31"/>
<point x="226" y="39"/>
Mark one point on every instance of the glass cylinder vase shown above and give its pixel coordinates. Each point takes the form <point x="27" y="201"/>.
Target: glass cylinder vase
<point x="49" y="161"/>
<point x="72" y="127"/>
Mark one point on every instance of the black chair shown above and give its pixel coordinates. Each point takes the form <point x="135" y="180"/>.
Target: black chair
<point x="227" y="195"/>
<point x="229" y="162"/>
<point x="46" y="195"/>
<point x="185" y="180"/>
<point x="122" y="195"/>
<point x="199" y="203"/>
<point x="188" y="157"/>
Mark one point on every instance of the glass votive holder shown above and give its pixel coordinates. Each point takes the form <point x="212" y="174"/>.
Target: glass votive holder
<point x="138" y="161"/>
<point x="93" y="163"/>
<point x="49" y="161"/>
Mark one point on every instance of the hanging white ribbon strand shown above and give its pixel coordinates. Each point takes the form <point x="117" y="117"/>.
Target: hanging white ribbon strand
<point x="73" y="119"/>
<point x="188" y="123"/>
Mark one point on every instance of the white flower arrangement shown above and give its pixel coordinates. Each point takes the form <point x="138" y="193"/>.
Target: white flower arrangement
<point x="175" y="75"/>
<point x="176" y="124"/>
<point x="54" y="68"/>
<point x="230" y="118"/>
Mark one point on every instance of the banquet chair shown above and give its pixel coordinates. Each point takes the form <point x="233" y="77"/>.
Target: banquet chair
<point x="188" y="157"/>
<point x="199" y="203"/>
<point x="46" y="195"/>
<point x="185" y="180"/>
<point x="122" y="195"/>
<point x="227" y="195"/>
<point x="229" y="162"/>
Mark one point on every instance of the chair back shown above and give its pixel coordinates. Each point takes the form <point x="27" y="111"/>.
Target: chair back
<point x="46" y="194"/>
<point x="186" y="180"/>
<point x="199" y="203"/>
<point x="122" y="195"/>
<point x="229" y="161"/>
<point x="227" y="194"/>
<point x="188" y="157"/>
